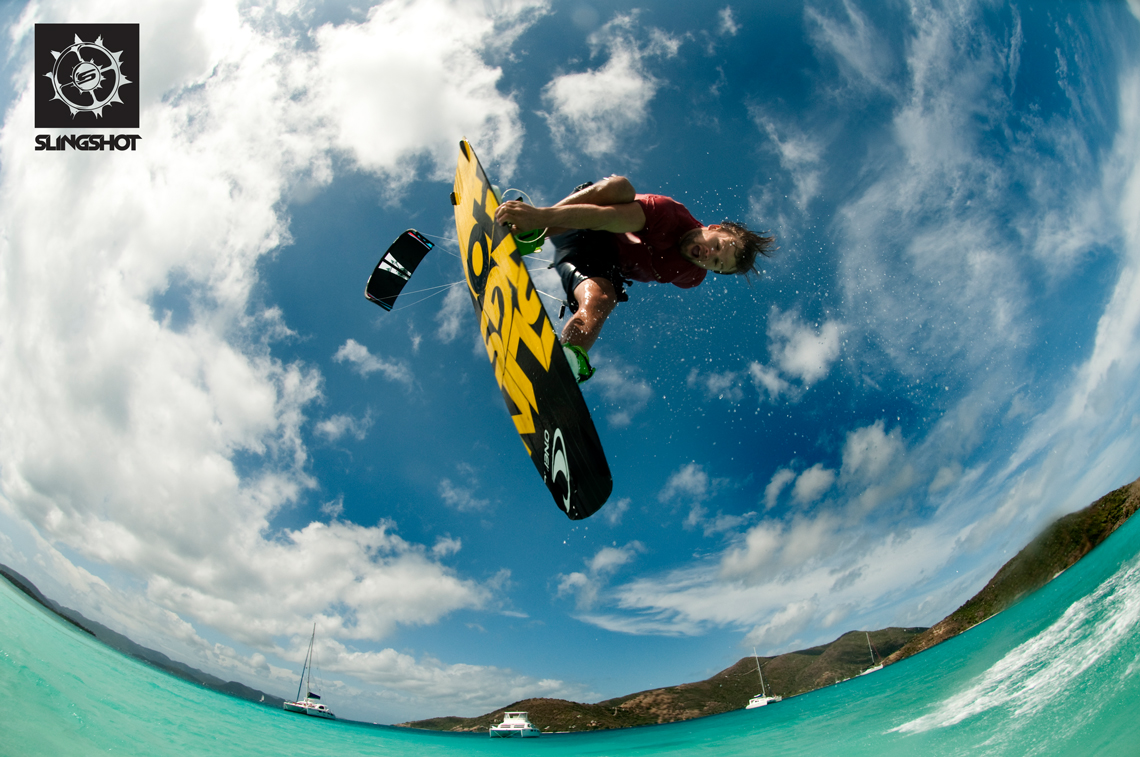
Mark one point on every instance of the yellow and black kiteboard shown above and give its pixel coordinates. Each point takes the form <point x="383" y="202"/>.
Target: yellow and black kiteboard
<point x="539" y="387"/>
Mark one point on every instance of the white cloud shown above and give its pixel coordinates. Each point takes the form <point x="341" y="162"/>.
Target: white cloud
<point x="609" y="559"/>
<point x="456" y="307"/>
<point x="784" y="625"/>
<point x="335" y="508"/>
<point x="802" y="352"/>
<point x="813" y="484"/>
<point x="122" y="426"/>
<point x="801" y="355"/>
<point x="593" y="111"/>
<point x="365" y="363"/>
<point x="869" y="450"/>
<point x="446" y="545"/>
<point x="431" y="682"/>
<point x="769" y="383"/>
<point x="728" y="24"/>
<point x="691" y="485"/>
<point x="586" y="586"/>
<point x="862" y="52"/>
<point x="462" y="497"/>
<point x="721" y="386"/>
<point x="336" y="426"/>
<point x="690" y="482"/>
<point x="613" y="512"/>
<point x="409" y="79"/>
<point x="623" y="387"/>
<point x="780" y="480"/>
<point x="799" y="154"/>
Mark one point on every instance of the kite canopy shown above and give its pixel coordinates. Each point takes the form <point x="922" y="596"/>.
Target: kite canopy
<point x="395" y="268"/>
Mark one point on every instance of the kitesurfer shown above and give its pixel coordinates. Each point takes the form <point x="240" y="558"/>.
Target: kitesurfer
<point x="606" y="236"/>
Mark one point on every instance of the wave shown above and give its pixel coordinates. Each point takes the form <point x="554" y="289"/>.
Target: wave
<point x="1047" y="668"/>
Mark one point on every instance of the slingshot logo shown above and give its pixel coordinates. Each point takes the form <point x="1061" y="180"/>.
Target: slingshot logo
<point x="87" y="76"/>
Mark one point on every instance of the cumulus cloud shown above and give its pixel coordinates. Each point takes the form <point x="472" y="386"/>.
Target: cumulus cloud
<point x="337" y="426"/>
<point x="722" y="386"/>
<point x="422" y="66"/>
<point x="728" y="25"/>
<point x="446" y="545"/>
<point x="586" y="585"/>
<point x="869" y="450"/>
<point x="812" y="484"/>
<point x="801" y="351"/>
<point x="780" y="480"/>
<point x="625" y="390"/>
<point x="461" y="496"/>
<point x="456" y="306"/>
<point x="593" y="111"/>
<point x="690" y="482"/>
<point x="365" y="363"/>
<point x="769" y="382"/>
<point x="124" y="426"/>
<point x="784" y="625"/>
<point x="691" y="485"/>
<point x="613" y="512"/>
<point x="801" y="355"/>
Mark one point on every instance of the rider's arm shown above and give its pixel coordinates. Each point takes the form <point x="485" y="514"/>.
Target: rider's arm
<point x="606" y="206"/>
<point x="612" y="190"/>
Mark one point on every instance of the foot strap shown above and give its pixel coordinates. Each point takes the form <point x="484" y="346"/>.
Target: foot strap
<point x="579" y="362"/>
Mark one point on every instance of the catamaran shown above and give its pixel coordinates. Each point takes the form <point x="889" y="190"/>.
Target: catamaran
<point x="873" y="667"/>
<point x="515" y="724"/>
<point x="762" y="699"/>
<point x="309" y="705"/>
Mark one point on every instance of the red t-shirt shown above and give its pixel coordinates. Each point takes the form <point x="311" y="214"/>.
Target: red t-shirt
<point x="654" y="253"/>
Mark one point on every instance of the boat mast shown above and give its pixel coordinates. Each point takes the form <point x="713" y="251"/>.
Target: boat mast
<point x="754" y="657"/>
<point x="306" y="667"/>
<point x="871" y="648"/>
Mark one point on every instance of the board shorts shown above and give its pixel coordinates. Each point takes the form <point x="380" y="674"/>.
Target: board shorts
<point x="582" y="254"/>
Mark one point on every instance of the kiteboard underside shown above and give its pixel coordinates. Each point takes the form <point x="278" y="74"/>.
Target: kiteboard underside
<point x="537" y="383"/>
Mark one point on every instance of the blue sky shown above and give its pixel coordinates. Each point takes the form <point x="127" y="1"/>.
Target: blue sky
<point x="212" y="440"/>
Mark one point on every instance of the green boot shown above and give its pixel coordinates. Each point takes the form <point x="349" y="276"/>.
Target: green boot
<point x="579" y="362"/>
<point x="530" y="242"/>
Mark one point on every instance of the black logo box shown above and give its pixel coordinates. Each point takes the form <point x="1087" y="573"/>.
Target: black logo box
<point x="53" y="113"/>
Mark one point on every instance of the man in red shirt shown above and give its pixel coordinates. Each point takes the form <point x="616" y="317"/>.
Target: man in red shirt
<point x="606" y="235"/>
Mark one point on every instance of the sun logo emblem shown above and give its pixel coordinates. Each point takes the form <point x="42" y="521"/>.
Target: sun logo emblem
<point x="87" y="76"/>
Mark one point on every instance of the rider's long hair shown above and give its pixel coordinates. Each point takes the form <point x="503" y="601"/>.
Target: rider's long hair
<point x="753" y="246"/>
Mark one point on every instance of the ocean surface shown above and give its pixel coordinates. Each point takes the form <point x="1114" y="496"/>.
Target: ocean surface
<point x="1058" y="674"/>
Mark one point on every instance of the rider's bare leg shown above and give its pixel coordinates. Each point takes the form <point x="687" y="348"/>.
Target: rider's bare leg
<point x="596" y="300"/>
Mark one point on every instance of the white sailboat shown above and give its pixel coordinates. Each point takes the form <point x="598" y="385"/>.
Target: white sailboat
<point x="309" y="705"/>
<point x="873" y="667"/>
<point x="763" y="699"/>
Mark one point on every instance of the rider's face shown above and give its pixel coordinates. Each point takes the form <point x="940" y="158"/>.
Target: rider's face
<point x="713" y="248"/>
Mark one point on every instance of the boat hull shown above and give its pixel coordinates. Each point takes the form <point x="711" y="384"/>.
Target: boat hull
<point x="514" y="733"/>
<point x="308" y="708"/>
<point x="755" y="702"/>
<point x="515" y="725"/>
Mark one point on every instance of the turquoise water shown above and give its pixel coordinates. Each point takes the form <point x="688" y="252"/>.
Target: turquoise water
<point x="1058" y="674"/>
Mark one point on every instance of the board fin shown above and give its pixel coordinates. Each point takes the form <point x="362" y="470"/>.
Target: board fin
<point x="396" y="266"/>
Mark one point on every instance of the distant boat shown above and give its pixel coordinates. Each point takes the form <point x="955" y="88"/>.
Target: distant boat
<point x="873" y="667"/>
<point x="763" y="699"/>
<point x="514" y="725"/>
<point x="308" y="705"/>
